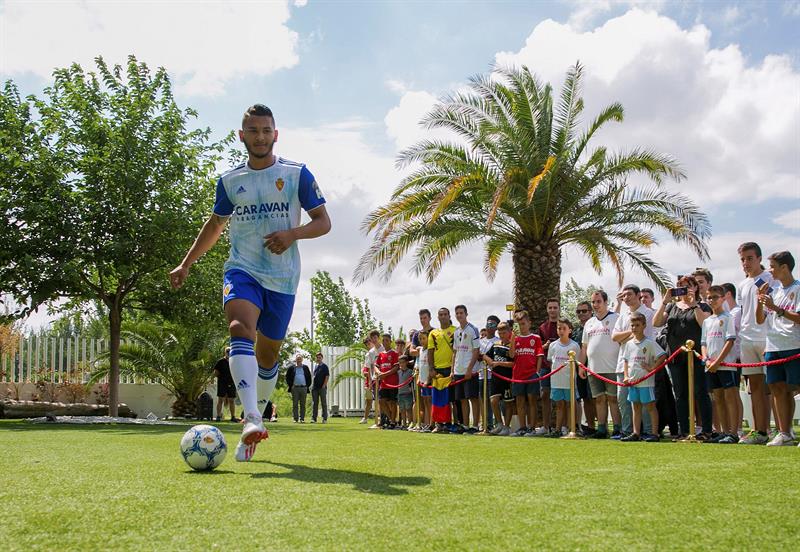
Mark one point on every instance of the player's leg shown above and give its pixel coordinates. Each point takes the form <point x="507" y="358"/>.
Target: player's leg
<point x="272" y="325"/>
<point x="242" y="316"/>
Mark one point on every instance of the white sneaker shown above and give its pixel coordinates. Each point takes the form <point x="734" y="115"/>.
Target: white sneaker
<point x="505" y="432"/>
<point x="362" y="421"/>
<point x="541" y="431"/>
<point x="781" y="440"/>
<point x="374" y="426"/>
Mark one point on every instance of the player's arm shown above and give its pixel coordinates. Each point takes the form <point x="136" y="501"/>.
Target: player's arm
<point x="319" y="225"/>
<point x="208" y="236"/>
<point x="625" y="377"/>
<point x="475" y="356"/>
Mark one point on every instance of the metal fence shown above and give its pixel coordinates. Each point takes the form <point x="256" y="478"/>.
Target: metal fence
<point x="55" y="359"/>
<point x="349" y="394"/>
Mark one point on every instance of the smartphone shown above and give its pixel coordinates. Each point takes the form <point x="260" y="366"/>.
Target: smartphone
<point x="679" y="291"/>
<point x="760" y="282"/>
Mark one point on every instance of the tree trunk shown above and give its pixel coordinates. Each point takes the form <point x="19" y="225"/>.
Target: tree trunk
<point x="537" y="277"/>
<point x="115" y="323"/>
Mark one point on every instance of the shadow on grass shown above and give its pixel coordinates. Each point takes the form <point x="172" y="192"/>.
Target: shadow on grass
<point x="360" y="481"/>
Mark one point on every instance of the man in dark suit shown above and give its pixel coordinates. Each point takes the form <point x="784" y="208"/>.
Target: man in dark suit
<point x="298" y="380"/>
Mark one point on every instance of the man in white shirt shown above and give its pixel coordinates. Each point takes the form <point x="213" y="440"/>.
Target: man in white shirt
<point x="753" y="340"/>
<point x="630" y="295"/>
<point x="601" y="353"/>
<point x="466" y="345"/>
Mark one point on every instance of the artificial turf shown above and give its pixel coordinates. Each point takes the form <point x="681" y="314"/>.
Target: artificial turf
<point x="341" y="486"/>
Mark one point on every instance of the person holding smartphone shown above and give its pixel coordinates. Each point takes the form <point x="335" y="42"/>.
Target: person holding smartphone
<point x="684" y="320"/>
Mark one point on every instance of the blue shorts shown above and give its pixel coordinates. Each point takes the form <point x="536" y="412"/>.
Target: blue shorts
<point x="559" y="394"/>
<point x="518" y="389"/>
<point x="788" y="372"/>
<point x="425" y="391"/>
<point x="642" y="395"/>
<point x="276" y="308"/>
<point x="722" y="379"/>
<point x="545" y="383"/>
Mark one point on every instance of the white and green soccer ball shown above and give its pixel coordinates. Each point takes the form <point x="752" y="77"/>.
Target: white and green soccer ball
<point x="203" y="447"/>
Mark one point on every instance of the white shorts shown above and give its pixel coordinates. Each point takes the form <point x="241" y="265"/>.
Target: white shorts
<point x="753" y="351"/>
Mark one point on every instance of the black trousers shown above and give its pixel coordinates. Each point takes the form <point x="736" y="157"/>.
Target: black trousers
<point x="665" y="404"/>
<point x="679" y="374"/>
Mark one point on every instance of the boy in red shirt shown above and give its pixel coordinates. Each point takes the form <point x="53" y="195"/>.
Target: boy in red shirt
<point x="386" y="367"/>
<point x="526" y="349"/>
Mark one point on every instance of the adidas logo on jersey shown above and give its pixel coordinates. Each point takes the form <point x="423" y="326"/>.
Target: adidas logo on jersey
<point x="241" y="190"/>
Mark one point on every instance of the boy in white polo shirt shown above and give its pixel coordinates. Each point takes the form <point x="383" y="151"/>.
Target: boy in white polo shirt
<point x="640" y="355"/>
<point x="718" y="338"/>
<point x="558" y="354"/>
<point x="753" y="340"/>
<point x="781" y="310"/>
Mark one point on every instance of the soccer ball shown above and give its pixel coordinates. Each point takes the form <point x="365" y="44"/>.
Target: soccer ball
<point x="203" y="447"/>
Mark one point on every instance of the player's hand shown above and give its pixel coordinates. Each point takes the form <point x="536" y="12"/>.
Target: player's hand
<point x="278" y="242"/>
<point x="178" y="276"/>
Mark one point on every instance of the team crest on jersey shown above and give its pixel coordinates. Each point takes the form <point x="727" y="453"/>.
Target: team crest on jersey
<point x="227" y="289"/>
<point x="279" y="184"/>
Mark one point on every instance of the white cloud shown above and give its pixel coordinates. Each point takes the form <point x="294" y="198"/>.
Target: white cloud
<point x="733" y="126"/>
<point x="203" y="45"/>
<point x="396" y="86"/>
<point x="300" y="3"/>
<point x="791" y="8"/>
<point x="586" y="12"/>
<point x="790" y="220"/>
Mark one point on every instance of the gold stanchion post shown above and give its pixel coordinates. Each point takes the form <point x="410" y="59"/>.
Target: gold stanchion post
<point x="485" y="399"/>
<point x="417" y="424"/>
<point x="691" y="438"/>
<point x="572" y="434"/>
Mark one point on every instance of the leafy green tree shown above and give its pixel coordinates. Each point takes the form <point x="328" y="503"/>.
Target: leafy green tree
<point x="102" y="190"/>
<point x="573" y="294"/>
<point x="340" y="318"/>
<point x="179" y="357"/>
<point x="525" y="181"/>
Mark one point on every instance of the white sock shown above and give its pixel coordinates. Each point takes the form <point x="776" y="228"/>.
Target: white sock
<point x="267" y="378"/>
<point x="244" y="370"/>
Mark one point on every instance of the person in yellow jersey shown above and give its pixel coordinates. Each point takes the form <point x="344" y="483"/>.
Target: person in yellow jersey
<point x="440" y="358"/>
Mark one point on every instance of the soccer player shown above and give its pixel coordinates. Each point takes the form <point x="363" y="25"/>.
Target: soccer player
<point x="640" y="355"/>
<point x="622" y="334"/>
<point x="387" y="365"/>
<point x="558" y="354"/>
<point x="601" y="353"/>
<point x="466" y="341"/>
<point x="527" y="352"/>
<point x="718" y="338"/>
<point x="500" y="360"/>
<point x="781" y="310"/>
<point x="262" y="199"/>
<point x="440" y="358"/>
<point x="753" y="340"/>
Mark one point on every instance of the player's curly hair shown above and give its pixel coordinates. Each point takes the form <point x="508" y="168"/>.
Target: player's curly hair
<point x="258" y="110"/>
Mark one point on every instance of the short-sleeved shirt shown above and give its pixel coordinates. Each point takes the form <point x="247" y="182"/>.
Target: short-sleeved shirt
<point x="403" y="375"/>
<point x="527" y="349"/>
<point x="423" y="366"/>
<point x="465" y="341"/>
<point x="602" y="352"/>
<point x="501" y="353"/>
<point x="223" y="369"/>
<point x="258" y="203"/>
<point x="321" y="372"/>
<point x="641" y="357"/>
<point x="624" y="324"/>
<point x="441" y="341"/>
<point x="547" y="331"/>
<point x="682" y="325"/>
<point x="717" y="330"/>
<point x="558" y="354"/>
<point x="747" y="298"/>
<point x="782" y="333"/>
<point x="386" y="360"/>
<point x="486" y="344"/>
<point x="372" y="356"/>
<point x="736" y="315"/>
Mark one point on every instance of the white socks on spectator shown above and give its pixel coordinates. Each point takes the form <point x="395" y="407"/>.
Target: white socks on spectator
<point x="244" y="370"/>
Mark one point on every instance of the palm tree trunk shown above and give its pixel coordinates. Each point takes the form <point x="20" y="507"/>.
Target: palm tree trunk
<point x="537" y="277"/>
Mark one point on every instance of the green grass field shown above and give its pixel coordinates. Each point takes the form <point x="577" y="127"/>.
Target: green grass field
<point x="343" y="487"/>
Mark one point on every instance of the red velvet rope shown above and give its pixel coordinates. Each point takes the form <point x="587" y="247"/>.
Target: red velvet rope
<point x="636" y="381"/>
<point x="534" y="380"/>
<point x="753" y="364"/>
<point x="399" y="385"/>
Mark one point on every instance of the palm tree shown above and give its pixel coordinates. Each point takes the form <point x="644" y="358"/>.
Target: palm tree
<point x="177" y="357"/>
<point x="523" y="180"/>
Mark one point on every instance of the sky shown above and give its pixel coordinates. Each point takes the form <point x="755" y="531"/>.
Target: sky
<point x="714" y="84"/>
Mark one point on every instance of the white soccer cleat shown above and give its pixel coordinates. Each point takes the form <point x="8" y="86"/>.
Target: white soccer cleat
<point x="252" y="433"/>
